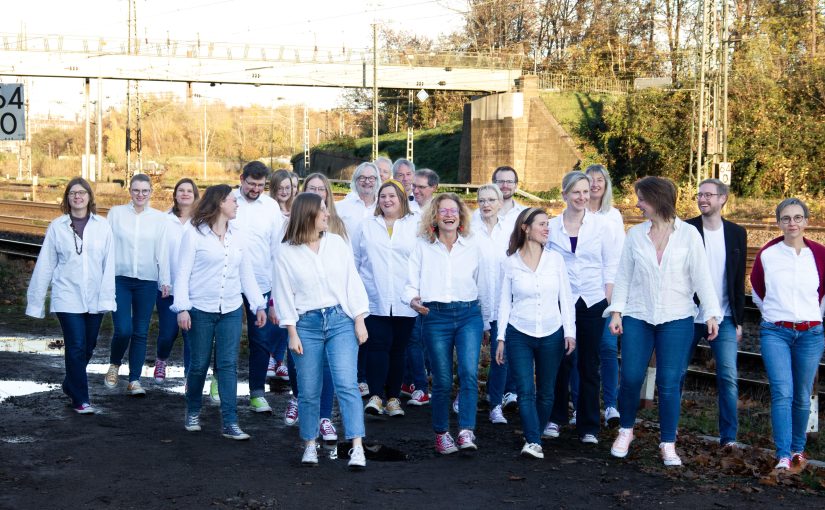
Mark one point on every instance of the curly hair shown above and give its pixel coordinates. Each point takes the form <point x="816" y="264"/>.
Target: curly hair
<point x="429" y="217"/>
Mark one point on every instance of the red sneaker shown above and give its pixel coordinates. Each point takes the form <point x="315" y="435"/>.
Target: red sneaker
<point x="407" y="390"/>
<point x="444" y="444"/>
<point x="418" y="398"/>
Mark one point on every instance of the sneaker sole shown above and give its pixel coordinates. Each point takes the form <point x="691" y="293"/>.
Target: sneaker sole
<point x="110" y="385"/>
<point x="85" y="411"/>
<point x="237" y="438"/>
<point x="617" y="454"/>
<point x="532" y="455"/>
<point x="290" y="424"/>
<point x="550" y="436"/>
<point x="395" y="413"/>
<point x="416" y="403"/>
<point x="672" y="463"/>
<point x="194" y="429"/>
<point x="329" y="438"/>
<point x="468" y="448"/>
<point x="261" y="409"/>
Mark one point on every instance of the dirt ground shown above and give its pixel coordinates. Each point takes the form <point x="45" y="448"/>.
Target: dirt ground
<point x="136" y="454"/>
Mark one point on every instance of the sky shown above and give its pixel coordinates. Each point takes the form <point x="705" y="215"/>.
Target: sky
<point x="307" y="23"/>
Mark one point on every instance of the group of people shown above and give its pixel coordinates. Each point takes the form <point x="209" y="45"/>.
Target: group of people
<point x="361" y="298"/>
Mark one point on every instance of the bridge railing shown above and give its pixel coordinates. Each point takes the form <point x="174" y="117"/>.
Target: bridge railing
<point x="558" y="82"/>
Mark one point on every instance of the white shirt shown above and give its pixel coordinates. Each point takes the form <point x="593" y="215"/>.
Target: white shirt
<point x="140" y="250"/>
<point x="656" y="293"/>
<point x="82" y="283"/>
<point x="305" y="280"/>
<point x="616" y="225"/>
<point x="717" y="256"/>
<point x="536" y="303"/>
<point x="381" y="260"/>
<point x="791" y="285"/>
<point x="494" y="246"/>
<point x="212" y="274"/>
<point x="352" y="211"/>
<point x="414" y="207"/>
<point x="262" y="223"/>
<point x="509" y="217"/>
<point x="446" y="276"/>
<point x="594" y="263"/>
<point x="174" y="236"/>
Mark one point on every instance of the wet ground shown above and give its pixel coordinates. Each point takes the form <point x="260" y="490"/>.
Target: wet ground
<point x="136" y="454"/>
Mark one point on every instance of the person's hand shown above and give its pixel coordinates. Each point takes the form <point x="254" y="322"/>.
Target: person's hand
<point x="416" y="305"/>
<point x="164" y="291"/>
<point x="569" y="345"/>
<point x="500" y="352"/>
<point x="713" y="329"/>
<point x="360" y="330"/>
<point x="273" y="317"/>
<point x="184" y="321"/>
<point x="616" y="323"/>
<point x="295" y="344"/>
<point x="260" y="318"/>
<point x="739" y="333"/>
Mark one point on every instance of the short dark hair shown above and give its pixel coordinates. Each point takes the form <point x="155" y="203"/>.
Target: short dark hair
<point x="791" y="201"/>
<point x="300" y="229"/>
<point x="209" y="207"/>
<point x="721" y="187"/>
<point x="140" y="178"/>
<point x="519" y="236"/>
<point x="185" y="180"/>
<point x="432" y="177"/>
<point x="659" y="192"/>
<point x="66" y="208"/>
<point x="504" y="168"/>
<point x="255" y="170"/>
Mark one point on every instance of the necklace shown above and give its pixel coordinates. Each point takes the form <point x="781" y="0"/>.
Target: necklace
<point x="77" y="248"/>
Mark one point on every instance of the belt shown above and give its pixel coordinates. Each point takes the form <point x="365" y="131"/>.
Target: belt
<point x="798" y="326"/>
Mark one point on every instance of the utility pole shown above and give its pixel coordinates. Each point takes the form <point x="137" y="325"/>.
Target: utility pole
<point x="133" y="127"/>
<point x="410" y="125"/>
<point x="374" y="91"/>
<point x="306" y="141"/>
<point x="86" y="167"/>
<point x="99" y="158"/>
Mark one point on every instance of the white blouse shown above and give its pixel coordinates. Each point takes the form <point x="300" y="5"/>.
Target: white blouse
<point x="140" y="250"/>
<point x="82" y="283"/>
<point x="353" y="211"/>
<point x="262" y="224"/>
<point x="381" y="260"/>
<point x="536" y="303"/>
<point x="212" y="274"/>
<point x="791" y="285"/>
<point x="658" y="293"/>
<point x="305" y="280"/>
<point x="594" y="263"/>
<point x="446" y="276"/>
<point x="494" y="246"/>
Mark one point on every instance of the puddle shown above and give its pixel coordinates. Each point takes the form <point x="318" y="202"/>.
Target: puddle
<point x="174" y="378"/>
<point x="20" y="388"/>
<point x="36" y="345"/>
<point x="17" y="439"/>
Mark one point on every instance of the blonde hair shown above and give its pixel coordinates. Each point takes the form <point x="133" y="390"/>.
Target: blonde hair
<point x="429" y="217"/>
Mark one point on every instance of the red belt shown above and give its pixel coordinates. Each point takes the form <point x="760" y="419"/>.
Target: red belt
<point x="798" y="326"/>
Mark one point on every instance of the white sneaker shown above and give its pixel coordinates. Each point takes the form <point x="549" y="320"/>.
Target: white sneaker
<point x="374" y="406"/>
<point x="784" y="463"/>
<point x="310" y="457"/>
<point x="622" y="443"/>
<point x="611" y="417"/>
<point x="509" y="400"/>
<point x="589" y="439"/>
<point x="573" y="419"/>
<point x="135" y="389"/>
<point x="364" y="389"/>
<point x="669" y="455"/>
<point x="496" y="416"/>
<point x="532" y="450"/>
<point x="357" y="460"/>
<point x="393" y="408"/>
<point x="111" y="380"/>
<point x="551" y="431"/>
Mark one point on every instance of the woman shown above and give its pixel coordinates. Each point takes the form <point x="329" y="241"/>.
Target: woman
<point x="214" y="270"/>
<point x="494" y="238"/>
<point x="322" y="304"/>
<point x="318" y="184"/>
<point x="788" y="280"/>
<point x="445" y="284"/>
<point x="382" y="246"/>
<point x="536" y="338"/>
<point x="280" y="189"/>
<point x="184" y="197"/>
<point x="663" y="264"/>
<point x="78" y="261"/>
<point x="601" y="202"/>
<point x="141" y="268"/>
<point x="584" y="240"/>
<point x="293" y="177"/>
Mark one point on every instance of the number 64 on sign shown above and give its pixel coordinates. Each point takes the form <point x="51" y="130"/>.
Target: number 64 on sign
<point x="12" y="112"/>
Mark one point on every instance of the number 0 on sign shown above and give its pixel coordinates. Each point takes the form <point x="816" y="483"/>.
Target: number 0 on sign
<point x="12" y="112"/>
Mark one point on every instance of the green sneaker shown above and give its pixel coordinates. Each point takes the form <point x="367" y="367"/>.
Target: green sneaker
<point x="213" y="391"/>
<point x="259" y="405"/>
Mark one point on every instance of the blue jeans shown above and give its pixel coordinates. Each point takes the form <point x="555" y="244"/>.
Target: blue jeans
<point x="500" y="380"/>
<point x="80" y="338"/>
<point x="135" y="300"/>
<point x="327" y="388"/>
<point x="671" y="341"/>
<point x="330" y="331"/>
<point x="415" y="370"/>
<point x="534" y="358"/>
<point x="168" y="330"/>
<point x="388" y="337"/>
<point x="224" y="332"/>
<point x="724" y="349"/>
<point x="791" y="360"/>
<point x="454" y="325"/>
<point x="261" y="343"/>
<point x="609" y="353"/>
<point x="281" y="343"/>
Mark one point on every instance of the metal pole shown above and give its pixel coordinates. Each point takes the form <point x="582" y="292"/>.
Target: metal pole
<point x="99" y="162"/>
<point x="86" y="168"/>
<point x="699" y="158"/>
<point x="374" y="91"/>
<point x="725" y="56"/>
<point x="205" y="139"/>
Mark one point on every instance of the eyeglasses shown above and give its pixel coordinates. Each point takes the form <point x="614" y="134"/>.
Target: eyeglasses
<point x="421" y="186"/>
<point x="505" y="181"/>
<point x="452" y="211"/>
<point x="254" y="185"/>
<point x="485" y="201"/>
<point x="706" y="195"/>
<point x="317" y="189"/>
<point x="364" y="179"/>
<point x="786" y="220"/>
<point x="79" y="193"/>
<point x="140" y="191"/>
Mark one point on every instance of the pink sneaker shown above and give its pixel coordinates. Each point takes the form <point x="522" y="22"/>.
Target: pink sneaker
<point x="160" y="370"/>
<point x="622" y="443"/>
<point x="467" y="440"/>
<point x="444" y="444"/>
<point x="291" y="414"/>
<point x="407" y="390"/>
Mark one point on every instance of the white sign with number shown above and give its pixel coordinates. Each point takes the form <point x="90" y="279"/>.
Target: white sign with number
<point x="12" y="112"/>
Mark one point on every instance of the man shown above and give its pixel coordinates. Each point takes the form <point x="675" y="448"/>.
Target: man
<point x="360" y="202"/>
<point x="726" y="248"/>
<point x="425" y="183"/>
<point x="403" y="171"/>
<point x="261" y="221"/>
<point x="384" y="166"/>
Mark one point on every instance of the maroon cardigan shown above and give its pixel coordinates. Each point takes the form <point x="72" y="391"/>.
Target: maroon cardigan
<point x="758" y="272"/>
